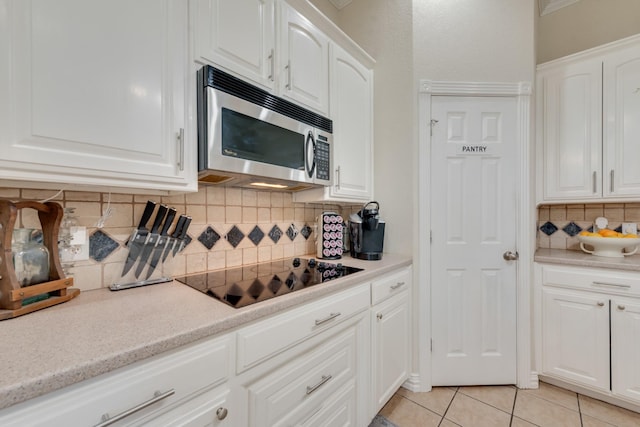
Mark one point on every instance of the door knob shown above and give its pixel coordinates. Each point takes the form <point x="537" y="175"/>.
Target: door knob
<point x="510" y="256"/>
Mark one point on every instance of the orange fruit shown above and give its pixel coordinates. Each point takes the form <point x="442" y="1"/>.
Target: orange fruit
<point x="605" y="232"/>
<point x="631" y="236"/>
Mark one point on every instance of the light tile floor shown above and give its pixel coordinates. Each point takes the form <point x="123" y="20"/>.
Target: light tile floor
<point x="496" y="406"/>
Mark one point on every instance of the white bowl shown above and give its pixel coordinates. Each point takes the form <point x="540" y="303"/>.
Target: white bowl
<point x="612" y="247"/>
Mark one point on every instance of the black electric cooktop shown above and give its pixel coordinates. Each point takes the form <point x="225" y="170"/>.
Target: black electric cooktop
<point x="242" y="286"/>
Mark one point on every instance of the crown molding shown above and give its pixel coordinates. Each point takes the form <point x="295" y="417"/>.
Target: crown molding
<point x="339" y="4"/>
<point x="549" y="6"/>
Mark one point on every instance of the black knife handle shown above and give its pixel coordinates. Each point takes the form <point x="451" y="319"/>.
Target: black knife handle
<point x="167" y="222"/>
<point x="183" y="232"/>
<point x="179" y="225"/>
<point x="162" y="210"/>
<point x="146" y="215"/>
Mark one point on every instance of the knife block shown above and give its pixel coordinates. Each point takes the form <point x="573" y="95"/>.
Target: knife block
<point x="12" y="295"/>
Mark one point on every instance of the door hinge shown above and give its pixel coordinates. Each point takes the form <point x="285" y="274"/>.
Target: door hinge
<point x="430" y="236"/>
<point x="432" y="123"/>
<point x="431" y="345"/>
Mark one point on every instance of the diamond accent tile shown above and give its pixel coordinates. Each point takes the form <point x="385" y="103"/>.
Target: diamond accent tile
<point x="306" y="231"/>
<point x="292" y="232"/>
<point x="101" y="245"/>
<point x="590" y="229"/>
<point x="572" y="229"/>
<point x="618" y="229"/>
<point x="235" y="236"/>
<point x="275" y="234"/>
<point x="548" y="228"/>
<point x="209" y="237"/>
<point x="256" y="235"/>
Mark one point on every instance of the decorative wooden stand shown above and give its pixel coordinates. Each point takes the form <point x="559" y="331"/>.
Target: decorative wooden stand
<point x="11" y="294"/>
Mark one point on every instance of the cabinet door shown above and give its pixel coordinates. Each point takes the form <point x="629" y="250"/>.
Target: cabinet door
<point x="304" y="61"/>
<point x="570" y="130"/>
<point x="97" y="95"/>
<point x="351" y="112"/>
<point x="575" y="337"/>
<point x="622" y="127"/>
<point x="390" y="347"/>
<point x="237" y="35"/>
<point x="625" y="348"/>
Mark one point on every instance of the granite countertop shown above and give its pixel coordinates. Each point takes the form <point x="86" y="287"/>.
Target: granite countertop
<point x="582" y="259"/>
<point x="101" y="330"/>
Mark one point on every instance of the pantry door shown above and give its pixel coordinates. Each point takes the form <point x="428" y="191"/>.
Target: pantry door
<point x="473" y="240"/>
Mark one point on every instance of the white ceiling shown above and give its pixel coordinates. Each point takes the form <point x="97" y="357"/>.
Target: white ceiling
<point x="549" y="6"/>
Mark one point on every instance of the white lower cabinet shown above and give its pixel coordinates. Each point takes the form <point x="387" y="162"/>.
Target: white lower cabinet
<point x="390" y="335"/>
<point x="575" y="334"/>
<point x="590" y="329"/>
<point x="179" y="388"/>
<point x="307" y="366"/>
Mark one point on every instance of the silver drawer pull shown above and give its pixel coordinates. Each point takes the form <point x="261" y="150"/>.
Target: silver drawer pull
<point x="397" y="285"/>
<point x="600" y="304"/>
<point x="621" y="307"/>
<point x="157" y="396"/>
<point x="613" y="285"/>
<point x="221" y="413"/>
<point x="326" y="319"/>
<point x="325" y="378"/>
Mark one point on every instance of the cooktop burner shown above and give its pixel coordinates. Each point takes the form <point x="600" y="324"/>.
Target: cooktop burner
<point x="242" y="286"/>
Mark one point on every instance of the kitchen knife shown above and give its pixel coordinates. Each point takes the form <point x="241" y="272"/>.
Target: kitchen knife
<point x="152" y="240"/>
<point x="162" y="242"/>
<point x="183" y="233"/>
<point x="173" y="239"/>
<point x="139" y="236"/>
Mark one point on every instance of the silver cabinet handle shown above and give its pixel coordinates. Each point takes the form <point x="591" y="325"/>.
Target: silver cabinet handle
<point x="595" y="181"/>
<point x="325" y="378"/>
<point x="600" y="304"/>
<point x="271" y="66"/>
<point x="181" y="149"/>
<point x="510" y="256"/>
<point x="397" y="285"/>
<point x="611" y="184"/>
<point x="288" y="67"/>
<point x="157" y="396"/>
<point x="613" y="285"/>
<point x="326" y="319"/>
<point x="221" y="413"/>
<point x="379" y="316"/>
<point x="621" y="307"/>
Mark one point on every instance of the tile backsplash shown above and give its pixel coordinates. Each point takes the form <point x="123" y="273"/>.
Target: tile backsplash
<point x="559" y="225"/>
<point x="230" y="227"/>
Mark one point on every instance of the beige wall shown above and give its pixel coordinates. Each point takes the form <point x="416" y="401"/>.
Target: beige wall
<point x="585" y="24"/>
<point x="470" y="40"/>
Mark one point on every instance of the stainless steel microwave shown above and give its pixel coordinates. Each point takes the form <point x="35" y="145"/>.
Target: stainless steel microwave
<point x="250" y="138"/>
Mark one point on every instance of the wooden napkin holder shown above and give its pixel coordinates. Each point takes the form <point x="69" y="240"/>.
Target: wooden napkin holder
<point x="12" y="295"/>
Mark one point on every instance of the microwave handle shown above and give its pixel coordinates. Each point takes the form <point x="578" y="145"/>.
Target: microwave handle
<point x="310" y="168"/>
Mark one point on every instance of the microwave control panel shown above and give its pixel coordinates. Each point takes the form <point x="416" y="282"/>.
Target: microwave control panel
<point x="322" y="158"/>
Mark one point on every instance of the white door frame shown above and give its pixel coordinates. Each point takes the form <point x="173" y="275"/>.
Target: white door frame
<point x="525" y="234"/>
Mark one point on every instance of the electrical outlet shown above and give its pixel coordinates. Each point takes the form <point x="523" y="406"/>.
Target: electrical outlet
<point x="629" y="228"/>
<point x="79" y="239"/>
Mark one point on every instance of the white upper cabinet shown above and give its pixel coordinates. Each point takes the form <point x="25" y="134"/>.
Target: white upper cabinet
<point x="587" y="128"/>
<point x="238" y="36"/>
<point x="621" y="78"/>
<point x="570" y="111"/>
<point x="93" y="92"/>
<point x="303" y="61"/>
<point x="351" y="110"/>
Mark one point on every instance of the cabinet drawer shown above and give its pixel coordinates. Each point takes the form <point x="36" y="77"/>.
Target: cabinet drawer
<point x="178" y="376"/>
<point x="258" y="342"/>
<point x="299" y="389"/>
<point x="594" y="279"/>
<point x="339" y="411"/>
<point x="390" y="285"/>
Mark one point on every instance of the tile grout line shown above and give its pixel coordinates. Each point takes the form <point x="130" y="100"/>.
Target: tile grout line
<point x="449" y="405"/>
<point x="579" y="409"/>
<point x="513" y="407"/>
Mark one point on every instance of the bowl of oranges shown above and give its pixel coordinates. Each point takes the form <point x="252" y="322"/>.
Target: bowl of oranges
<point x="609" y="243"/>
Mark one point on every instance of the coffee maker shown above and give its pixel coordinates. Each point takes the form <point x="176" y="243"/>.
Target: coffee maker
<point x="366" y="232"/>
